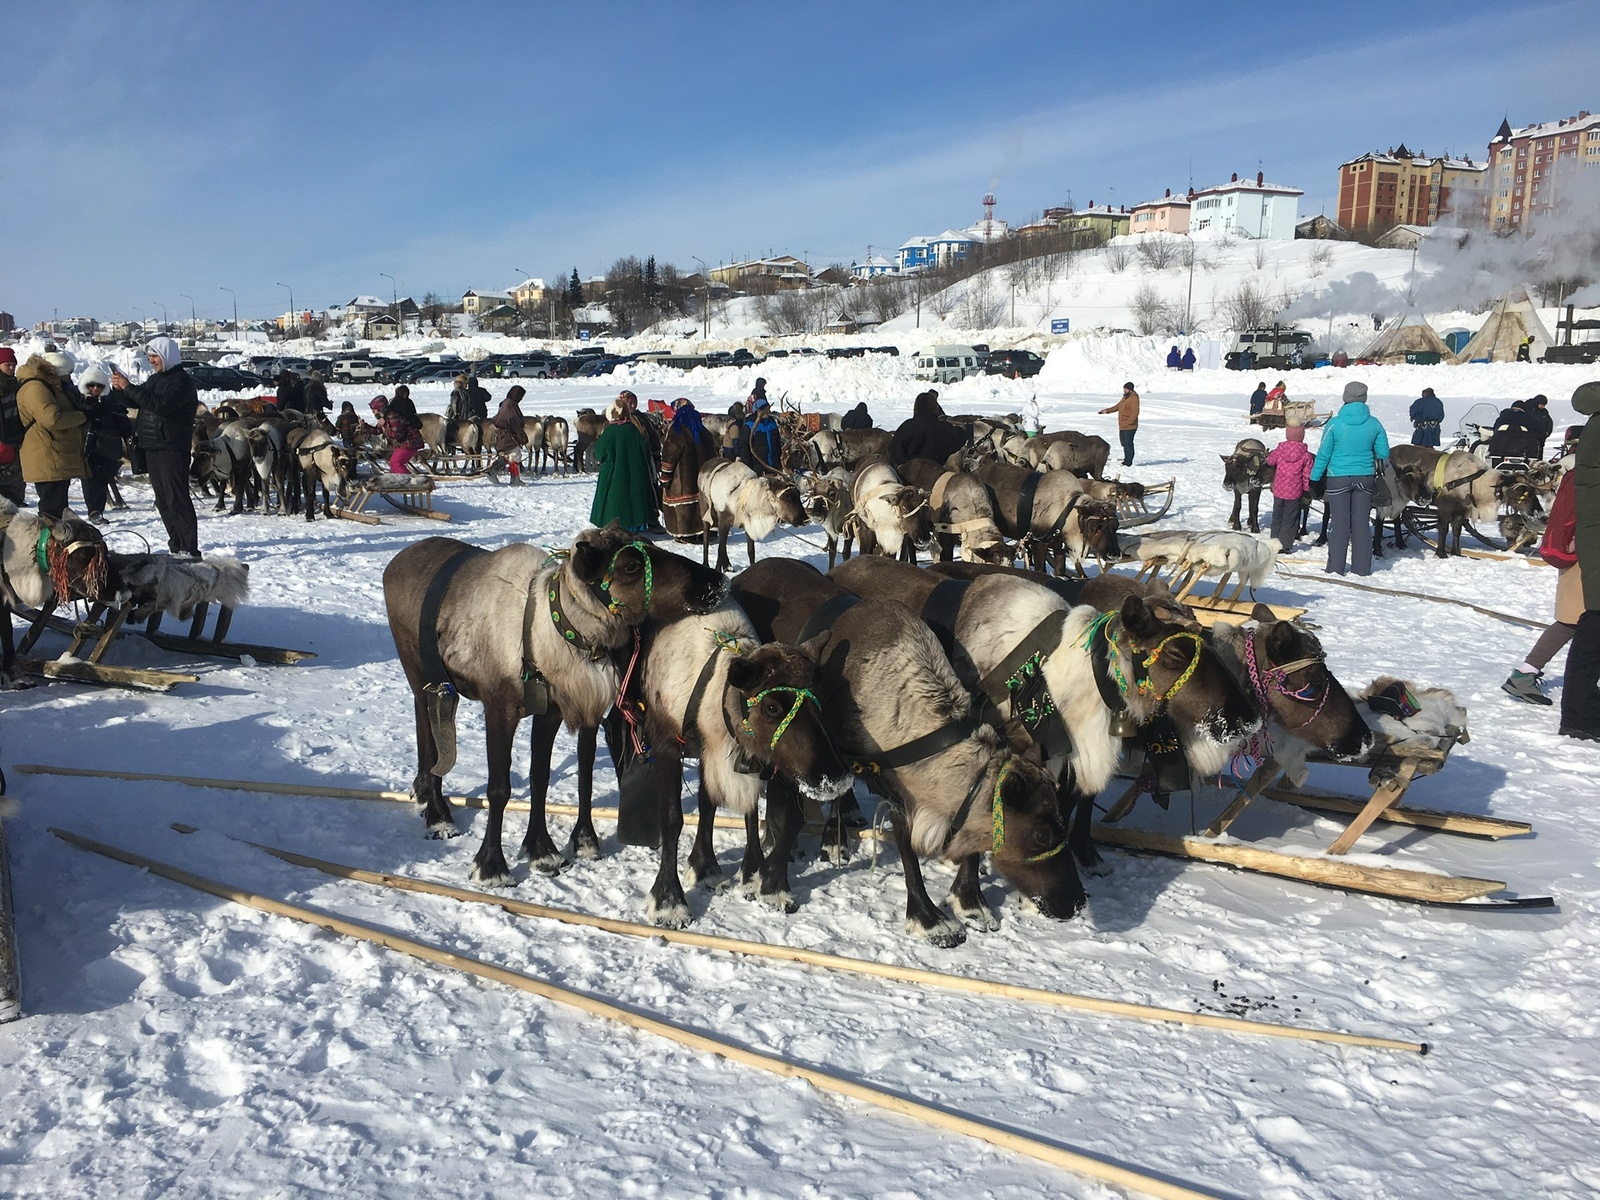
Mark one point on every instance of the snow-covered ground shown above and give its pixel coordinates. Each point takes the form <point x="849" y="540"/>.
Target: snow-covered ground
<point x="179" y="1045"/>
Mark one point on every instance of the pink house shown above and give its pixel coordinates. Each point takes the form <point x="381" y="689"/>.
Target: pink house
<point x="1170" y="214"/>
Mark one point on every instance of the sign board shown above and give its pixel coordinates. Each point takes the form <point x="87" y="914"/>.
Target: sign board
<point x="583" y="335"/>
<point x="1060" y="325"/>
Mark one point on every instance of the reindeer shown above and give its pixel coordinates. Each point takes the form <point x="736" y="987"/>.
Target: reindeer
<point x="556" y="432"/>
<point x="589" y="426"/>
<point x="746" y="711"/>
<point x="1245" y="472"/>
<point x="889" y="513"/>
<point x="846" y="447"/>
<point x="963" y="514"/>
<point x="316" y="457"/>
<point x="45" y="563"/>
<point x="267" y="459"/>
<point x="526" y="634"/>
<point x="441" y="436"/>
<point x="827" y="502"/>
<point x="731" y="494"/>
<point x="1046" y="514"/>
<point x="893" y="704"/>
<point x="1153" y="666"/>
<point x="1464" y="488"/>
<point x="533" y="450"/>
<point x="1068" y="450"/>
<point x="224" y="462"/>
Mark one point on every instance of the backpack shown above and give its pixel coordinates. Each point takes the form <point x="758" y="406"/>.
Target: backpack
<point x="11" y="430"/>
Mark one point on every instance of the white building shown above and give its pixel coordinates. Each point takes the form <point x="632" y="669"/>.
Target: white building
<point x="1250" y="208"/>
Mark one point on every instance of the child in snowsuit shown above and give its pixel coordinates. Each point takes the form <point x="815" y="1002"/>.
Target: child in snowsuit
<point x="1291" y="463"/>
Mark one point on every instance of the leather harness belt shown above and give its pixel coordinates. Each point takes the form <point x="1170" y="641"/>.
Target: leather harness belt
<point x="432" y="664"/>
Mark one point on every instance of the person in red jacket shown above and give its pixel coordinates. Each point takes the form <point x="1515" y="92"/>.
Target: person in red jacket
<point x="1559" y="549"/>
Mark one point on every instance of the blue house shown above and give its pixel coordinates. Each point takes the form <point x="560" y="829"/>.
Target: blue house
<point x="951" y="246"/>
<point x="874" y="266"/>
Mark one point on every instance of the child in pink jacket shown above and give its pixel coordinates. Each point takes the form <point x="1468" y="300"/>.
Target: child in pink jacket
<point x="1290" y="479"/>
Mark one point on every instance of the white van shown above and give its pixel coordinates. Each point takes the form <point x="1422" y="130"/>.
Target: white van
<point x="946" y="364"/>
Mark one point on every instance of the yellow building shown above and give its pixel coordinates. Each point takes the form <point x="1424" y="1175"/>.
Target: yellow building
<point x="1380" y="191"/>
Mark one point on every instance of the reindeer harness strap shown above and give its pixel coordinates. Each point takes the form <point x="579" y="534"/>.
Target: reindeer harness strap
<point x="940" y="486"/>
<point x="439" y="697"/>
<point x="1030" y="485"/>
<point x="1018" y="678"/>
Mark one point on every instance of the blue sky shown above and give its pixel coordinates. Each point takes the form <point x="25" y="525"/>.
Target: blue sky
<point x="162" y="148"/>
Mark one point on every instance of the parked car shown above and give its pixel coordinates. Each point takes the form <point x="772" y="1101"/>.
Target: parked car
<point x="946" y="364"/>
<point x="1013" y="364"/>
<point x="777" y="354"/>
<point x="894" y="350"/>
<point x="743" y="358"/>
<point x="356" y="370"/>
<point x="221" y="379"/>
<point x="597" y="366"/>
<point x="436" y="370"/>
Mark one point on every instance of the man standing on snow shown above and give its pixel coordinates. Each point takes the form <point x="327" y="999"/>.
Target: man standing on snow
<point x="1127" y="410"/>
<point x="1427" y="414"/>
<point x="167" y="402"/>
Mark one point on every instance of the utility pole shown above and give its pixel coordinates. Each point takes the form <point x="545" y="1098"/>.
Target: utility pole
<point x="293" y="315"/>
<point x="192" y="322"/>
<point x="1188" y="304"/>
<point x="230" y="292"/>
<point x="163" y="309"/>
<point x="705" y="273"/>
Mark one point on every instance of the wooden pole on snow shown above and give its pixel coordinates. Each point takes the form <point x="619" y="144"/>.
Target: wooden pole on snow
<point x="834" y="962"/>
<point x="941" y="1118"/>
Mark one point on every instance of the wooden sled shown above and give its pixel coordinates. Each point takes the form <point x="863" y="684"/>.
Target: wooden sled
<point x="411" y="494"/>
<point x="1131" y="511"/>
<point x="1392" y="770"/>
<point x="455" y="464"/>
<point x="1213" y="606"/>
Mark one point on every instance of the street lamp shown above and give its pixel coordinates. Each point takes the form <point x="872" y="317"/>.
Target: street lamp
<point x="192" y="321"/>
<point x="705" y="273"/>
<point x="1188" y="304"/>
<point x="163" y="309"/>
<point x="293" y="316"/>
<point x="230" y="292"/>
<point x="394" y="300"/>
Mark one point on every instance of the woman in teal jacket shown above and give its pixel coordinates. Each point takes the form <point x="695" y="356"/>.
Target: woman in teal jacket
<point x="1347" y="461"/>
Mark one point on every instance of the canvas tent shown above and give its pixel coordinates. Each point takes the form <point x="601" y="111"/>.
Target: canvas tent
<point x="1512" y="319"/>
<point x="1409" y="333"/>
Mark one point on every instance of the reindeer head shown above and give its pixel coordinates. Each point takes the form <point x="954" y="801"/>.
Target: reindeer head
<point x="1289" y="673"/>
<point x="1099" y="523"/>
<point x="777" y="718"/>
<point x="1244" y="468"/>
<point x="1029" y="840"/>
<point x="78" y="564"/>
<point x="638" y="580"/>
<point x="913" y="513"/>
<point x="786" y="499"/>
<point x="1165" y="665"/>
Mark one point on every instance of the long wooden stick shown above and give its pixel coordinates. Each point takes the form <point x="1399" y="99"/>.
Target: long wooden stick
<point x="941" y="1118"/>
<point x="834" y="962"/>
<point x="1512" y="618"/>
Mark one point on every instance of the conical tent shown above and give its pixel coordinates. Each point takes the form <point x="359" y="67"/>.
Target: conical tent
<point x="1407" y="334"/>
<point x="1512" y="320"/>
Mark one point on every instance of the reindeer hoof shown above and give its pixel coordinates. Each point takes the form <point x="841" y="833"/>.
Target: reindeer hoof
<point x="980" y="915"/>
<point x="782" y="901"/>
<point x="495" y="879"/>
<point x="548" y="864"/>
<point x="586" y="847"/>
<point x="441" y="831"/>
<point x="709" y="876"/>
<point x="672" y="915"/>
<point x="945" y="932"/>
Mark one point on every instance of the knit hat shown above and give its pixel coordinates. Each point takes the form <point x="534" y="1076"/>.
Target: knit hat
<point x="1587" y="398"/>
<point x="377" y="404"/>
<point x="94" y="374"/>
<point x="1354" y="392"/>
<point x="1128" y="387"/>
<point x="60" y="362"/>
<point x="1295" y="433"/>
<point x="8" y="355"/>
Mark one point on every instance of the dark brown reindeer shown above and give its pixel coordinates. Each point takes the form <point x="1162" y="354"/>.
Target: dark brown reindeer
<point x="76" y="567"/>
<point x="1048" y="516"/>
<point x="962" y="510"/>
<point x="1244" y="473"/>
<point x="1470" y="489"/>
<point x="747" y="712"/>
<point x="893" y="704"/>
<point x="1093" y="677"/>
<point x="526" y="633"/>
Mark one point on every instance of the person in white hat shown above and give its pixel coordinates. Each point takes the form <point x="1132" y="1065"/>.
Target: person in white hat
<point x="167" y="403"/>
<point x="52" y="441"/>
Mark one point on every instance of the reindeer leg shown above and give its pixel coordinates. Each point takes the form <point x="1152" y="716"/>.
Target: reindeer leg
<point x="923" y="917"/>
<point x="754" y="858"/>
<point x="427" y="789"/>
<point x="966" y="896"/>
<point x="833" y="551"/>
<point x="1238" y="501"/>
<point x="703" y="866"/>
<point x="541" y="851"/>
<point x="1255" y="510"/>
<point x="667" y="906"/>
<point x="1079" y="839"/>
<point x="723" y="529"/>
<point x="585" y="842"/>
<point x="750" y="547"/>
<point x="783" y="824"/>
<point x="489" y="864"/>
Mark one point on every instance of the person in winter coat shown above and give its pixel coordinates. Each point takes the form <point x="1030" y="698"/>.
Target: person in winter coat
<point x="1174" y="359"/>
<point x="1513" y="435"/>
<point x="688" y="447"/>
<point x="350" y="426"/>
<point x="511" y="431"/>
<point x="625" y="490"/>
<point x="12" y="486"/>
<point x="857" y="418"/>
<point x="1291" y="478"/>
<point x="1188" y="359"/>
<point x="1276" y="398"/>
<point x="316" y="395"/>
<point x="291" y="391"/>
<point x="763" y="445"/>
<point x="1540" y="424"/>
<point x="1580" y="698"/>
<point x="756" y="396"/>
<point x="107" y="427"/>
<point x="1427" y="414"/>
<point x="1258" y="400"/>
<point x="456" y="408"/>
<point x="1127" y="410"/>
<point x="1347" y="462"/>
<point x="1559" y="549"/>
<point x="402" y="429"/>
<point x="52" y="440"/>
<point x="167" y="403"/>
<point x="927" y="434"/>
<point x="477" y="400"/>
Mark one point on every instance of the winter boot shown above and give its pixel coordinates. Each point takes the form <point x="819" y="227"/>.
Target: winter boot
<point x="515" y="472"/>
<point x="1524" y="686"/>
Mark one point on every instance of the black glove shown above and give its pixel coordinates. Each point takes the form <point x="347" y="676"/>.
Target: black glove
<point x="1319" y="488"/>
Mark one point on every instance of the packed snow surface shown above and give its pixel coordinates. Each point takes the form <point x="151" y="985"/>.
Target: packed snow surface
<point x="175" y="1044"/>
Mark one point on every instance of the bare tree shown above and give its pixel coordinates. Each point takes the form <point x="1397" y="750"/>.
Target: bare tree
<point x="1118" y="256"/>
<point x="1246" y="307"/>
<point x="980" y="307"/>
<point x="1260" y="255"/>
<point x="1158" y="253"/>
<point x="1318" y="259"/>
<point x="1153" y="313"/>
<point x="941" y="302"/>
<point x="887" y="298"/>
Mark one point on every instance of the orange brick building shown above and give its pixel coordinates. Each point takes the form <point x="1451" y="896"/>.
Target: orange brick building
<point x="1530" y="166"/>
<point x="1380" y="191"/>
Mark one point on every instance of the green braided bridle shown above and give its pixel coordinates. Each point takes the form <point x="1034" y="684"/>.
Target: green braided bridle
<point x="999" y="819"/>
<point x="801" y="695"/>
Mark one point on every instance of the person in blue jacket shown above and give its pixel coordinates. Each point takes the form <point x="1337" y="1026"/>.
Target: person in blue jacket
<point x="1427" y="414"/>
<point x="1346" y="462"/>
<point x="1187" y="362"/>
<point x="1174" y="360"/>
<point x="1258" y="400"/>
<point x="763" y="447"/>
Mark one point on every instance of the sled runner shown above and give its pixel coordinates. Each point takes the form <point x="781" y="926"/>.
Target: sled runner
<point x="408" y="493"/>
<point x="1133" y="511"/>
<point x="455" y="464"/>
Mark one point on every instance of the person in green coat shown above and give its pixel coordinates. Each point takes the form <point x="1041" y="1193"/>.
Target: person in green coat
<point x="625" y="492"/>
<point x="1580" y="697"/>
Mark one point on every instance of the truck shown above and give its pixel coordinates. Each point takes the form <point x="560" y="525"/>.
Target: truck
<point x="1275" y="348"/>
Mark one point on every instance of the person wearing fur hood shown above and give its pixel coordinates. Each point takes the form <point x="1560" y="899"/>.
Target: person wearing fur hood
<point x="108" y="427"/>
<point x="52" y="440"/>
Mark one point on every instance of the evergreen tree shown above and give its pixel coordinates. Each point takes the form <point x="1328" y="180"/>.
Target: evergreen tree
<point x="574" y="291"/>
<point x="651" y="281"/>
